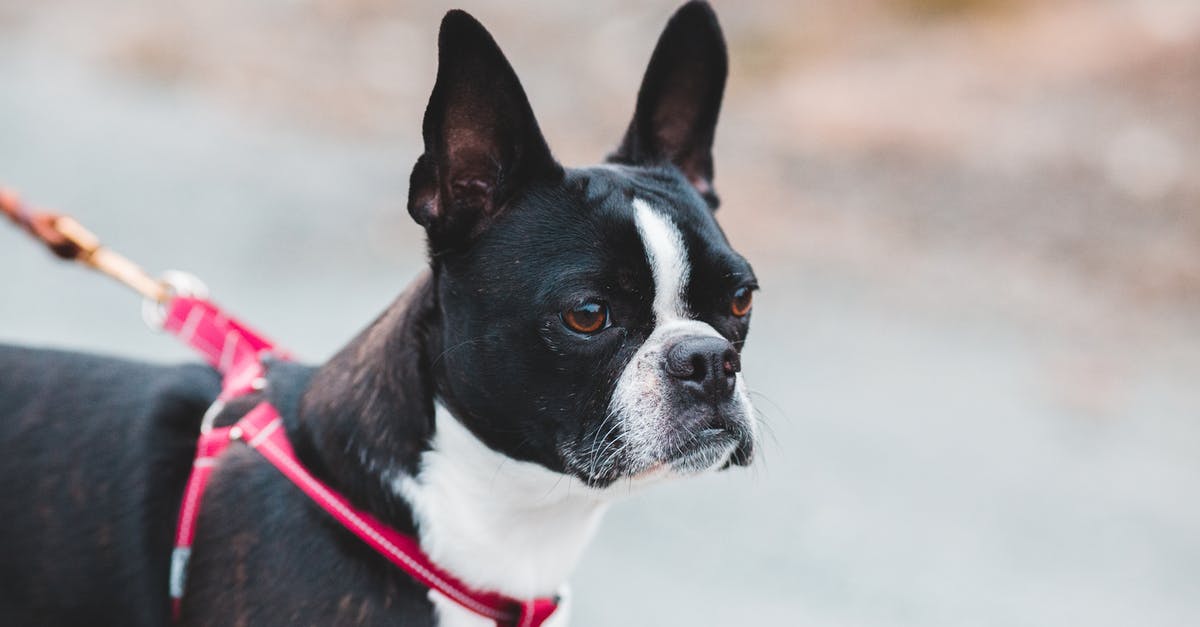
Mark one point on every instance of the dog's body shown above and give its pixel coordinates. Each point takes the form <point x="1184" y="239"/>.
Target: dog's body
<point x="579" y="333"/>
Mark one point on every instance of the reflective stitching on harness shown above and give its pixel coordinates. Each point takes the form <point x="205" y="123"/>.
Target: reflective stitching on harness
<point x="266" y="432"/>
<point x="526" y="614"/>
<point x="228" y="350"/>
<point x="188" y="330"/>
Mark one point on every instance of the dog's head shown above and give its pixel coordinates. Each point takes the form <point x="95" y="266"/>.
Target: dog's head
<point x="592" y="319"/>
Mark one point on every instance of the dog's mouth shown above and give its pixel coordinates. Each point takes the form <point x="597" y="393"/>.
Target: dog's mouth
<point x="706" y="450"/>
<point x="681" y="454"/>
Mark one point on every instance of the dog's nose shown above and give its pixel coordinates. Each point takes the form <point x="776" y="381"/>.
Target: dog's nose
<point x="705" y="364"/>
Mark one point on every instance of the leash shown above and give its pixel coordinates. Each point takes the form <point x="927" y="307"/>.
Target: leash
<point x="68" y="240"/>
<point x="178" y="304"/>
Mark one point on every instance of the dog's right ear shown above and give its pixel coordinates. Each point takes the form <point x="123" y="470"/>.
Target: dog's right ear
<point x="482" y="143"/>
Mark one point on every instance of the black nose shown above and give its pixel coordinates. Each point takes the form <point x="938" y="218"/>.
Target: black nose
<point x="705" y="364"/>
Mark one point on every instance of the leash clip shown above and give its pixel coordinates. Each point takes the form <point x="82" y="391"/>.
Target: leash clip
<point x="175" y="283"/>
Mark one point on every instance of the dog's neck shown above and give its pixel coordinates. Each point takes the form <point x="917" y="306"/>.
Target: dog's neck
<point x="369" y="423"/>
<point x="500" y="524"/>
<point x="369" y="409"/>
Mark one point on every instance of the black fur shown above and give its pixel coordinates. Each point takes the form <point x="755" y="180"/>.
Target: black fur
<point x="482" y="143"/>
<point x="96" y="450"/>
<point x="677" y="106"/>
<point x="265" y="554"/>
<point x="556" y="415"/>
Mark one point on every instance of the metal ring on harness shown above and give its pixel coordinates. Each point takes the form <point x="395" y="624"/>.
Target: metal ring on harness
<point x="210" y="415"/>
<point x="178" y="283"/>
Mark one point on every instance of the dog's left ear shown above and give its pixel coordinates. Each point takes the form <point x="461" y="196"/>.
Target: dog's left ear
<point x="680" y="98"/>
<point x="482" y="143"/>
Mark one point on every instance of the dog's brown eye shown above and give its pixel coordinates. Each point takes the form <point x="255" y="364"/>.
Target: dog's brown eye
<point x="743" y="299"/>
<point x="587" y="317"/>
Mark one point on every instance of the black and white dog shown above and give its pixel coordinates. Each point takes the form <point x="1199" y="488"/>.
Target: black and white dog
<point x="578" y="333"/>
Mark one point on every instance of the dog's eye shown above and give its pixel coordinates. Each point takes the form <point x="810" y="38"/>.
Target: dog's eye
<point x="588" y="317"/>
<point x="743" y="299"/>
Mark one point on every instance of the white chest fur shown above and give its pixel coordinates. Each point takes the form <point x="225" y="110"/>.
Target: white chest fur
<point x="496" y="523"/>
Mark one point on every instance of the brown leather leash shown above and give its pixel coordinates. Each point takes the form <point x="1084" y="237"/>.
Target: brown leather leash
<point x="69" y="240"/>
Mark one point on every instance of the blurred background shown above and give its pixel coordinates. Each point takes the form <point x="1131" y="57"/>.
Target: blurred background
<point x="976" y="223"/>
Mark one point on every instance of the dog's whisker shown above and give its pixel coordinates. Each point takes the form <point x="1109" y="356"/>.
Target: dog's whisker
<point x="457" y="346"/>
<point x="554" y="487"/>
<point x="604" y="438"/>
<point x="762" y="396"/>
<point x="767" y="427"/>
<point x="615" y="455"/>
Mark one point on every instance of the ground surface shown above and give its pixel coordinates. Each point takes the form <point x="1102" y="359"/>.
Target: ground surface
<point x="977" y="225"/>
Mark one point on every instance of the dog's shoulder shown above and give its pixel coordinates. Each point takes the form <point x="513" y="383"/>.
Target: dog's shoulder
<point x="254" y="519"/>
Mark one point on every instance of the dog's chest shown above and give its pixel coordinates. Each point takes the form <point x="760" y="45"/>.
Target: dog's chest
<point x="497" y="523"/>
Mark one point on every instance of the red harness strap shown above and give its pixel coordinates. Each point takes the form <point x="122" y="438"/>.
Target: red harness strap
<point x="234" y="350"/>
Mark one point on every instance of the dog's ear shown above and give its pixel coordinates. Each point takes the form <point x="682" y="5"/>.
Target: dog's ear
<point x="482" y="143"/>
<point x="680" y="98"/>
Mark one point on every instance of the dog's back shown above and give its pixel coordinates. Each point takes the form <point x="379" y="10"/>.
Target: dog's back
<point x="94" y="453"/>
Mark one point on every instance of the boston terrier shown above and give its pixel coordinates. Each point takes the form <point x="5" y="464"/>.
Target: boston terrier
<point x="577" y="335"/>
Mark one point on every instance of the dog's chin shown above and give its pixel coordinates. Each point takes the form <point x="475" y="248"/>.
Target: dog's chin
<point x="710" y="450"/>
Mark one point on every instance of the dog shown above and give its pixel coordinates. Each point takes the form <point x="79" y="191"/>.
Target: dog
<point x="577" y="334"/>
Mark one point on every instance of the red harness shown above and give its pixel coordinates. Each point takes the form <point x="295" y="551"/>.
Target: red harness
<point x="235" y="351"/>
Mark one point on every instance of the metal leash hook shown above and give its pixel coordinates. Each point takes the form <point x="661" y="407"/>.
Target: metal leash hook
<point x="68" y="239"/>
<point x="176" y="283"/>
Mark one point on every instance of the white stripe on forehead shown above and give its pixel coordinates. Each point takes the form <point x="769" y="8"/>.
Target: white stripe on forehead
<point x="668" y="261"/>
